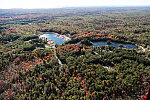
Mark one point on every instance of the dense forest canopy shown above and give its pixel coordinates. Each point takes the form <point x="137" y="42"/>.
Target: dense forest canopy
<point x="34" y="68"/>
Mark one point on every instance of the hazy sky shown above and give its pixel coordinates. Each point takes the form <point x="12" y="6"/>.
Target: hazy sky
<point x="69" y="3"/>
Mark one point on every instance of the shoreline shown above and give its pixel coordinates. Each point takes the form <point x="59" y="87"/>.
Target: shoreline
<point x="50" y="42"/>
<point x="62" y="36"/>
<point x="57" y="35"/>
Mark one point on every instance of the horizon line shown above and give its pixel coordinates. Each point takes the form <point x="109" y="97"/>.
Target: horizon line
<point x="82" y="7"/>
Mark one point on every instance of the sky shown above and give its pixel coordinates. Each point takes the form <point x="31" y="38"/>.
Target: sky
<point x="31" y="4"/>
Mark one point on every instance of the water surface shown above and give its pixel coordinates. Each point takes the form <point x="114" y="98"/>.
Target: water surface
<point x="53" y="37"/>
<point x="115" y="44"/>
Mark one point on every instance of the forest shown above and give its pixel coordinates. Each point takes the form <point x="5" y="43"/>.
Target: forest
<point x="32" y="70"/>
